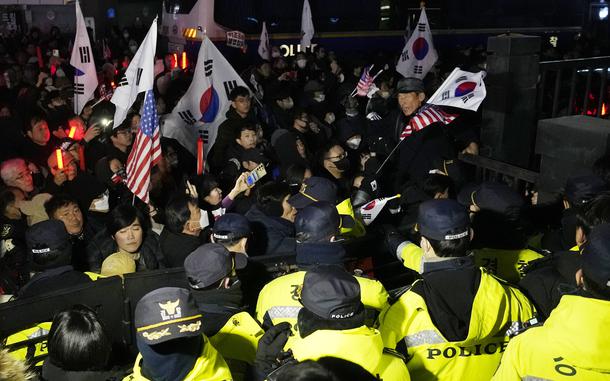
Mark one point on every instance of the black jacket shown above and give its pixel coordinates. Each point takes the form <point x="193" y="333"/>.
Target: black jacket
<point x="270" y="235"/>
<point x="50" y="372"/>
<point x="227" y="131"/>
<point x="52" y="280"/>
<point x="102" y="246"/>
<point x="549" y="278"/>
<point x="14" y="271"/>
<point x="177" y="246"/>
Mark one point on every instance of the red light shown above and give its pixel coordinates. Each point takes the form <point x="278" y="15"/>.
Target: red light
<point x="184" y="63"/>
<point x="113" y="85"/>
<point x="174" y="60"/>
<point x="604" y="109"/>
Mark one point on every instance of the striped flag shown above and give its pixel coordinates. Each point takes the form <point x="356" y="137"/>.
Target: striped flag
<point x="371" y="210"/>
<point x="365" y="82"/>
<point x="146" y="150"/>
<point x="427" y="115"/>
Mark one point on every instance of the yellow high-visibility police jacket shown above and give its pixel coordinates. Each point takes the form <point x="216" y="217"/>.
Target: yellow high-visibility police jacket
<point x="362" y="346"/>
<point x="29" y="351"/>
<point x="279" y="299"/>
<point x="505" y="264"/>
<point x="358" y="230"/>
<point x="210" y="366"/>
<point x="571" y="345"/>
<point x="497" y="307"/>
<point x="237" y="341"/>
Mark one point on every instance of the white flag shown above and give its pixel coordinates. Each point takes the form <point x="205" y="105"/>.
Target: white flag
<point x="139" y="76"/>
<point x="263" y="46"/>
<point x="461" y="89"/>
<point x="418" y="56"/>
<point x="306" y="26"/>
<point x="370" y="211"/>
<point x="205" y="103"/>
<point x="85" y="74"/>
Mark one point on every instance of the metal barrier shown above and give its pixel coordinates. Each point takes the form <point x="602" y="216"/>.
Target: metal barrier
<point x="564" y="97"/>
<point x="487" y="169"/>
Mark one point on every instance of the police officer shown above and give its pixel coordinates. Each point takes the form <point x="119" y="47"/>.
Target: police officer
<point x="211" y="274"/>
<point x="500" y="246"/>
<point x="317" y="230"/>
<point x="331" y="323"/>
<point x="548" y="279"/>
<point x="170" y="340"/>
<point x="452" y="323"/>
<point x="572" y="343"/>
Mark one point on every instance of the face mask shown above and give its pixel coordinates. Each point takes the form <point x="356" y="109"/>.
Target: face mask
<point x="319" y="98"/>
<point x="342" y="165"/>
<point x="354" y="143"/>
<point x="330" y="118"/>
<point x="341" y="78"/>
<point x="301" y="63"/>
<point x="204" y="221"/>
<point x="133" y="48"/>
<point x="125" y="35"/>
<point x="288" y="104"/>
<point x="351" y="113"/>
<point x="384" y="94"/>
<point x="102" y="203"/>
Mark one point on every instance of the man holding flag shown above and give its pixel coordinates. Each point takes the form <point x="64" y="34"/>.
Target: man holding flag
<point x="419" y="131"/>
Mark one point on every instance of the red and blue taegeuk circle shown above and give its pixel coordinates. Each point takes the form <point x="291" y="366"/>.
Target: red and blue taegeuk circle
<point x="465" y="88"/>
<point x="420" y="48"/>
<point x="209" y="104"/>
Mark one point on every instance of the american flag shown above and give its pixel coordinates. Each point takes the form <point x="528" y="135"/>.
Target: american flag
<point x="427" y="115"/>
<point x="366" y="81"/>
<point x="146" y="150"/>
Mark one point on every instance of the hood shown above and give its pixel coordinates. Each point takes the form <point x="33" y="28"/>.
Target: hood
<point x="583" y="348"/>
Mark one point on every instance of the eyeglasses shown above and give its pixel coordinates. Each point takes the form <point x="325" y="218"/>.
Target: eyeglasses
<point x="340" y="157"/>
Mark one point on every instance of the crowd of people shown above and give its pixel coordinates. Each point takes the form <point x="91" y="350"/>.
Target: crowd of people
<point x="499" y="286"/>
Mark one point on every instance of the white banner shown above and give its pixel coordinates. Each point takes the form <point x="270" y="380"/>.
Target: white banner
<point x="307" y="30"/>
<point x="205" y="103"/>
<point x="461" y="89"/>
<point x="263" y="46"/>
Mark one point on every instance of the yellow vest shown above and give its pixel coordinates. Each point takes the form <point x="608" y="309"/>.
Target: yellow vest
<point x="358" y="230"/>
<point x="362" y="346"/>
<point x="210" y="366"/>
<point x="280" y="298"/>
<point x="505" y="264"/>
<point x="237" y="341"/>
<point x="571" y="345"/>
<point x="496" y="308"/>
<point x="30" y="351"/>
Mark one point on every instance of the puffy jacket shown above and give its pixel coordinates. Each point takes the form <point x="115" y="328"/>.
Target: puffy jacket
<point x="571" y="345"/>
<point x="408" y="326"/>
<point x="279" y="301"/>
<point x="362" y="346"/>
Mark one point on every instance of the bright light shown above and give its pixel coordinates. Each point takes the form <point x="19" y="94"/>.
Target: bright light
<point x="603" y="13"/>
<point x="384" y="7"/>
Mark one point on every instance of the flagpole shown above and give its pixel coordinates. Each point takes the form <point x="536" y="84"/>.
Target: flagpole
<point x="389" y="156"/>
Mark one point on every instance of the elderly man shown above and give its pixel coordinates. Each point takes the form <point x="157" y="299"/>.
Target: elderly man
<point x="421" y="149"/>
<point x="15" y="173"/>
